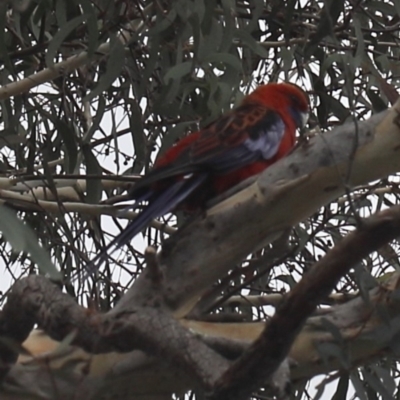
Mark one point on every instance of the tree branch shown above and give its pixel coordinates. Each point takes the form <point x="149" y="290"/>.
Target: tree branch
<point x="35" y="300"/>
<point x="279" y="199"/>
<point x="269" y="350"/>
<point x="128" y="374"/>
<point x="72" y="63"/>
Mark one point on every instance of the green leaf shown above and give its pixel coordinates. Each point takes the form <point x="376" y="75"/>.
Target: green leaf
<point x="329" y="16"/>
<point x="71" y="150"/>
<point x="91" y="21"/>
<point x="93" y="186"/>
<point x="178" y="71"/>
<point x="115" y="63"/>
<point x="138" y="137"/>
<point x="173" y="135"/>
<point x="289" y="11"/>
<point x="251" y="43"/>
<point x="342" y="388"/>
<point x="332" y="329"/>
<point x="194" y="21"/>
<point x="68" y="137"/>
<point x="288" y="279"/>
<point x="329" y="351"/>
<point x="377" y="102"/>
<point x="384" y="375"/>
<point x="365" y="281"/>
<point x="228" y="8"/>
<point x="257" y="8"/>
<point x="287" y="58"/>
<point x="61" y="12"/>
<point x="4" y="58"/>
<point x="360" y="52"/>
<point x="199" y="9"/>
<point x="22" y="238"/>
<point x="377" y="385"/>
<point x="101" y="107"/>
<point x="358" y="386"/>
<point x="212" y="36"/>
<point x="163" y="22"/>
<point x="397" y="7"/>
<point x="334" y="106"/>
<point x="224" y="58"/>
<point x="42" y="8"/>
<point x="60" y="36"/>
<point x="8" y="138"/>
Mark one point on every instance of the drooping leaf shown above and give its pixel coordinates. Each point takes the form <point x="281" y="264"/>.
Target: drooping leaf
<point x="60" y="36"/>
<point x="329" y="16"/>
<point x="138" y="137"/>
<point x="358" y="386"/>
<point x="115" y="63"/>
<point x="93" y="186"/>
<point x="250" y="42"/>
<point x="91" y="21"/>
<point x="342" y="388"/>
<point x="22" y="238"/>
<point x="178" y="71"/>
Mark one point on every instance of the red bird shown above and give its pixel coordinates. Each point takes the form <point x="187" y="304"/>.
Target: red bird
<point x="206" y="163"/>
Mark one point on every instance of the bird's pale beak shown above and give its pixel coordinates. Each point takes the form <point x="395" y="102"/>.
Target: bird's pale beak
<point x="304" y="119"/>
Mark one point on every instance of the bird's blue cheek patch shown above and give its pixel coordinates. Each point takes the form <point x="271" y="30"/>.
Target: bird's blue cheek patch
<point x="268" y="141"/>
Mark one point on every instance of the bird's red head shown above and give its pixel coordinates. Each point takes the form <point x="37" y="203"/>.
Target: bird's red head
<point x="283" y="97"/>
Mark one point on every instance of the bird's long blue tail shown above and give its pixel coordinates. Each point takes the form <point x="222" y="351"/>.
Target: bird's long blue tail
<point x="159" y="203"/>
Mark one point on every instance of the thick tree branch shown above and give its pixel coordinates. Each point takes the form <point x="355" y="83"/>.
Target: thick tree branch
<point x="128" y="375"/>
<point x="269" y="350"/>
<point x="205" y="250"/>
<point x="36" y="300"/>
<point x="152" y="330"/>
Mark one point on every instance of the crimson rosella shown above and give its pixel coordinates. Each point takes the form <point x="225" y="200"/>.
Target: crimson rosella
<point x="204" y="164"/>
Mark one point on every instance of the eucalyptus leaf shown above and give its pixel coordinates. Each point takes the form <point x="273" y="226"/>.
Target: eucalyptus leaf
<point x="91" y="21"/>
<point x="93" y="186"/>
<point x="178" y="71"/>
<point x="60" y="37"/>
<point x="115" y="63"/>
<point x="342" y="388"/>
<point x="358" y="386"/>
<point x="23" y="239"/>
<point x="138" y="137"/>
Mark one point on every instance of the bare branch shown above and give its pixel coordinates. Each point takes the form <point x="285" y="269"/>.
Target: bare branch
<point x="269" y="350"/>
<point x="278" y="199"/>
<point x="36" y="300"/>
